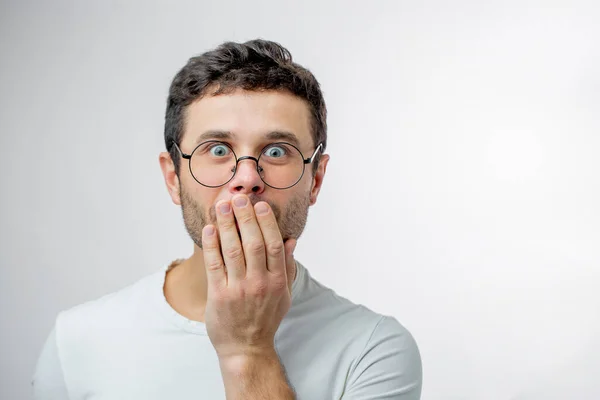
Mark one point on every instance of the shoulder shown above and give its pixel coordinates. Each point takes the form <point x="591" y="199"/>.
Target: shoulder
<point x="390" y="363"/>
<point x="390" y="338"/>
<point x="383" y="356"/>
<point x="364" y="325"/>
<point x="116" y="310"/>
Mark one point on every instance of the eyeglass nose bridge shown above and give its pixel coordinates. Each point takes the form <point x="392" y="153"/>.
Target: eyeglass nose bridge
<point x="259" y="169"/>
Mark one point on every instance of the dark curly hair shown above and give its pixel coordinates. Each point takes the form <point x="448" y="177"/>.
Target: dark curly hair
<point x="254" y="65"/>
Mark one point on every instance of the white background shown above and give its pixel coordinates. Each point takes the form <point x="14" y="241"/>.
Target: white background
<point x="462" y="196"/>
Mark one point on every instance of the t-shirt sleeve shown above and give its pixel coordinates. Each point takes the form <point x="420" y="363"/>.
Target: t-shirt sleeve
<point x="48" y="380"/>
<point x="388" y="368"/>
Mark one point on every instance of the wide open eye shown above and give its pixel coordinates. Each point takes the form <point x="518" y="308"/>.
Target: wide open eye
<point x="275" y="151"/>
<point x="219" y="150"/>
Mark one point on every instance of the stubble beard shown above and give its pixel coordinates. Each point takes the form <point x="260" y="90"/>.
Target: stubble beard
<point x="291" y="220"/>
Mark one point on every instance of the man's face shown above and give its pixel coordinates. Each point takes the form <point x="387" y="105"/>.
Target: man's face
<point x="246" y="118"/>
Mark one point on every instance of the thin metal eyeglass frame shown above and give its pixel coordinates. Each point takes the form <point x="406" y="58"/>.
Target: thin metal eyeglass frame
<point x="237" y="160"/>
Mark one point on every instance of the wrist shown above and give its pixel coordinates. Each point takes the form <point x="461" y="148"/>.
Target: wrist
<point x="248" y="361"/>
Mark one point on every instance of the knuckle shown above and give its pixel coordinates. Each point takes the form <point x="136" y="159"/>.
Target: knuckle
<point x="260" y="289"/>
<point x="256" y="247"/>
<point x="275" y="248"/>
<point x="228" y="224"/>
<point x="279" y="284"/>
<point x="219" y="296"/>
<point x="214" y="265"/>
<point x="208" y="245"/>
<point x="234" y="253"/>
<point x="245" y="218"/>
<point x="241" y="292"/>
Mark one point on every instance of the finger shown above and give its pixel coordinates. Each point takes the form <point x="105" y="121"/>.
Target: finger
<point x="231" y="248"/>
<point x="275" y="252"/>
<point x="290" y="263"/>
<point x="252" y="237"/>
<point x="213" y="262"/>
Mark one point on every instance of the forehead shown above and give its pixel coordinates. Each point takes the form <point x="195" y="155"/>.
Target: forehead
<point x="250" y="116"/>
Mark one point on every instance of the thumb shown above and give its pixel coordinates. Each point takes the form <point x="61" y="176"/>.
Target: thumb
<point x="290" y="263"/>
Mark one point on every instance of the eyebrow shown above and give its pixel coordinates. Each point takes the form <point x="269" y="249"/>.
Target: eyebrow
<point x="273" y="135"/>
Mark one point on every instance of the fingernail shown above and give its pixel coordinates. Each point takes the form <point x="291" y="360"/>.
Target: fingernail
<point x="225" y="208"/>
<point x="240" y="201"/>
<point x="209" y="230"/>
<point x="261" y="208"/>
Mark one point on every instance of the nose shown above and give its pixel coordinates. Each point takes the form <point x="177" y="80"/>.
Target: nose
<point x="246" y="179"/>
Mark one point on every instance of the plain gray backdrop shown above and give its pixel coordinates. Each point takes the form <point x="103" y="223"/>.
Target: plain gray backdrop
<point x="462" y="196"/>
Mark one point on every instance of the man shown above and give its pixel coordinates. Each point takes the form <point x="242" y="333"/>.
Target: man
<point x="245" y="132"/>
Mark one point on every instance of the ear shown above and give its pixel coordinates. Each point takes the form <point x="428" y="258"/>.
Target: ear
<point x="318" y="178"/>
<point x="171" y="178"/>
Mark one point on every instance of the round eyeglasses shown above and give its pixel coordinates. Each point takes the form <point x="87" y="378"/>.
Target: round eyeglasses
<point x="280" y="165"/>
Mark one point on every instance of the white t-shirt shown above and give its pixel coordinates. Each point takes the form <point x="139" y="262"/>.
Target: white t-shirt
<point x="133" y="345"/>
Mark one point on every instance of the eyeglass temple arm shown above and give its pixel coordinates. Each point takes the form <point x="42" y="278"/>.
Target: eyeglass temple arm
<point x="186" y="156"/>
<point x="311" y="158"/>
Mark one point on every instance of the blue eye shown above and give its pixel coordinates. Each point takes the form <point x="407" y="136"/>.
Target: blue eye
<point x="275" y="152"/>
<point x="219" y="150"/>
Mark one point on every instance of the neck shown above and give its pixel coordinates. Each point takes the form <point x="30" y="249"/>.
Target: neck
<point x="186" y="286"/>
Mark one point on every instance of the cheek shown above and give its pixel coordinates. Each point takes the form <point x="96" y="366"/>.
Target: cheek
<point x="208" y="197"/>
<point x="308" y="180"/>
<point x="200" y="195"/>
